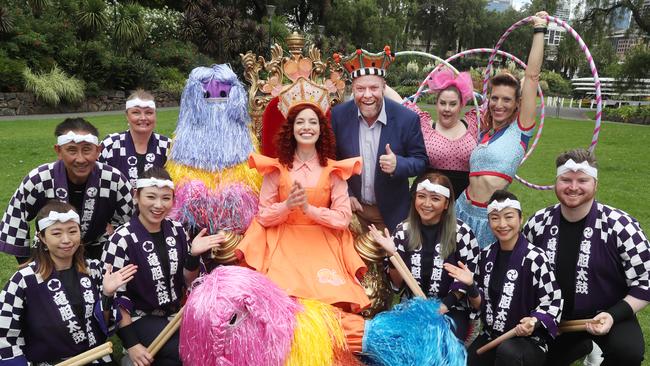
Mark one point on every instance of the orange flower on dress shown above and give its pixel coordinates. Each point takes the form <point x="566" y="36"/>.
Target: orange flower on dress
<point x="273" y="86"/>
<point x="334" y="83"/>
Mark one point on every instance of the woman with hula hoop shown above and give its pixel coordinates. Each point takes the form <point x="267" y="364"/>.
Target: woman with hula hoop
<point x="506" y="128"/>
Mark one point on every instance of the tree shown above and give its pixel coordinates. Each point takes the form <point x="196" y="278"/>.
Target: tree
<point x="636" y="66"/>
<point x="222" y="32"/>
<point x="599" y="11"/>
<point x="6" y="22"/>
<point x="568" y="56"/>
<point x="92" y="17"/>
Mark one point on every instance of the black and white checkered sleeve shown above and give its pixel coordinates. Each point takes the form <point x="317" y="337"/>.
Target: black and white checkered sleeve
<point x="634" y="251"/>
<point x="14" y="227"/>
<point x="470" y="250"/>
<point x="163" y="145"/>
<point x="123" y="195"/>
<point x="534" y="227"/>
<point x="115" y="253"/>
<point x="549" y="309"/>
<point x="401" y="239"/>
<point x="107" y="148"/>
<point x="115" y="250"/>
<point x="12" y="299"/>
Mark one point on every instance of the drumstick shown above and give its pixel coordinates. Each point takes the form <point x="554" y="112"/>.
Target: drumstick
<point x="578" y="325"/>
<point x="400" y="266"/>
<point x="572" y="328"/>
<point x="166" y="333"/>
<point x="500" y="339"/>
<point x="89" y="356"/>
<point x="579" y="322"/>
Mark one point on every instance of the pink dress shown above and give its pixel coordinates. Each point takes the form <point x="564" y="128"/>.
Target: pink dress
<point x="450" y="157"/>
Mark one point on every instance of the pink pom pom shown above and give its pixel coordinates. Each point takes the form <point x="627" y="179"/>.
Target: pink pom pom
<point x="230" y="207"/>
<point x="444" y="78"/>
<point x="236" y="316"/>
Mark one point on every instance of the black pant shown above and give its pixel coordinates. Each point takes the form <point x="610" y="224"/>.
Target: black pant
<point x="622" y="346"/>
<point x="147" y="328"/>
<point x="516" y="351"/>
<point x="461" y="323"/>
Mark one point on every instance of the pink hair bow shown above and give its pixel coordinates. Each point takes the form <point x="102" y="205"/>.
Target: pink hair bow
<point x="444" y="78"/>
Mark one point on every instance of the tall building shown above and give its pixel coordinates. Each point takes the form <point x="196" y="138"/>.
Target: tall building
<point x="499" y="5"/>
<point x="555" y="33"/>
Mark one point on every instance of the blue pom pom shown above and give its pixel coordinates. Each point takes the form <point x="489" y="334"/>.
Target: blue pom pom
<point x="413" y="334"/>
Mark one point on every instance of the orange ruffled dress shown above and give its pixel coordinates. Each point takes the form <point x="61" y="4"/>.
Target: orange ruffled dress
<point x="305" y="257"/>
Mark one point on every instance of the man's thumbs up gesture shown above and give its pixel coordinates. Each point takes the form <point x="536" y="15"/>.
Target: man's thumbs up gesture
<point x="388" y="161"/>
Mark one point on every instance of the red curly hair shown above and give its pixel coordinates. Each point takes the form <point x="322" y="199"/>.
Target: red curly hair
<point x="286" y="142"/>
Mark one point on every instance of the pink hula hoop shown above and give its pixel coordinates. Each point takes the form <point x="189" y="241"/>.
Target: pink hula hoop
<point x="592" y="66"/>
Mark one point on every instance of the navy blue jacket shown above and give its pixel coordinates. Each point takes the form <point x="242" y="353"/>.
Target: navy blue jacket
<point x="402" y="132"/>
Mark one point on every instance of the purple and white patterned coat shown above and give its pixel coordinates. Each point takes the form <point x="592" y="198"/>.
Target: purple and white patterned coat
<point x="107" y="200"/>
<point x="38" y="324"/>
<point x="613" y="260"/>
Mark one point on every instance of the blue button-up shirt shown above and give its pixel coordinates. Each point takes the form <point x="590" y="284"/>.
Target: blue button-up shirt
<point x="368" y="147"/>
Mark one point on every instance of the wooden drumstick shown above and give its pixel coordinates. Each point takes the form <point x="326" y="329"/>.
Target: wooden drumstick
<point x="579" y="322"/>
<point x="89" y="356"/>
<point x="500" y="339"/>
<point x="400" y="266"/>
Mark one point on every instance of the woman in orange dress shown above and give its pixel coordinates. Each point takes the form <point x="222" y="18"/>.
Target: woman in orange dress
<point x="300" y="237"/>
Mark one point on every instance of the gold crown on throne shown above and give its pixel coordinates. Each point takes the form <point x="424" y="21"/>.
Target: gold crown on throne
<point x="304" y="91"/>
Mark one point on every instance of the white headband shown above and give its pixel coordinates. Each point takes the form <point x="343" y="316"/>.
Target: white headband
<point x="432" y="187"/>
<point x="53" y="217"/>
<point x="572" y="166"/>
<point x="77" y="138"/>
<point x="137" y="102"/>
<point x="498" y="206"/>
<point x="150" y="182"/>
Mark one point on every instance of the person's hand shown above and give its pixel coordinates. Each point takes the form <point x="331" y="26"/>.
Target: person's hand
<point x="297" y="197"/>
<point x="603" y="323"/>
<point x="355" y="205"/>
<point x="113" y="280"/>
<point x="388" y="162"/>
<point x="110" y="229"/>
<point x="460" y="273"/>
<point x="140" y="356"/>
<point x="526" y="326"/>
<point x="540" y="20"/>
<point x="384" y="240"/>
<point x="443" y="309"/>
<point x="203" y="243"/>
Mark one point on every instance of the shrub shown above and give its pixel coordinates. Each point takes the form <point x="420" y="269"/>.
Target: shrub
<point x="171" y="80"/>
<point x="11" y="74"/>
<point x="629" y="114"/>
<point x="557" y="85"/>
<point x="55" y="86"/>
<point x="128" y="73"/>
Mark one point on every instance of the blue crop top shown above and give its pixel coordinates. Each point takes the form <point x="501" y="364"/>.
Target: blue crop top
<point x="499" y="154"/>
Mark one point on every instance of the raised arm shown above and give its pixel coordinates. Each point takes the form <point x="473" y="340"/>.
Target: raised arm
<point x="535" y="59"/>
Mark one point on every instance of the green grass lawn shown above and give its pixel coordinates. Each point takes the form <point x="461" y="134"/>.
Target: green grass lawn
<point x="622" y="153"/>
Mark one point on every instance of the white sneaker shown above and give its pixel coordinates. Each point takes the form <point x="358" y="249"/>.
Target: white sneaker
<point x="595" y="357"/>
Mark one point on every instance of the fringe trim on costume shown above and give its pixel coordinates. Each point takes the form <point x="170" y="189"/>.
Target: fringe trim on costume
<point x="236" y="316"/>
<point x="318" y="333"/>
<point x="239" y="173"/>
<point x="413" y="333"/>
<point x="229" y="208"/>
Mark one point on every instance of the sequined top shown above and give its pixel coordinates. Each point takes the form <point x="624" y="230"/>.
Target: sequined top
<point x="499" y="152"/>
